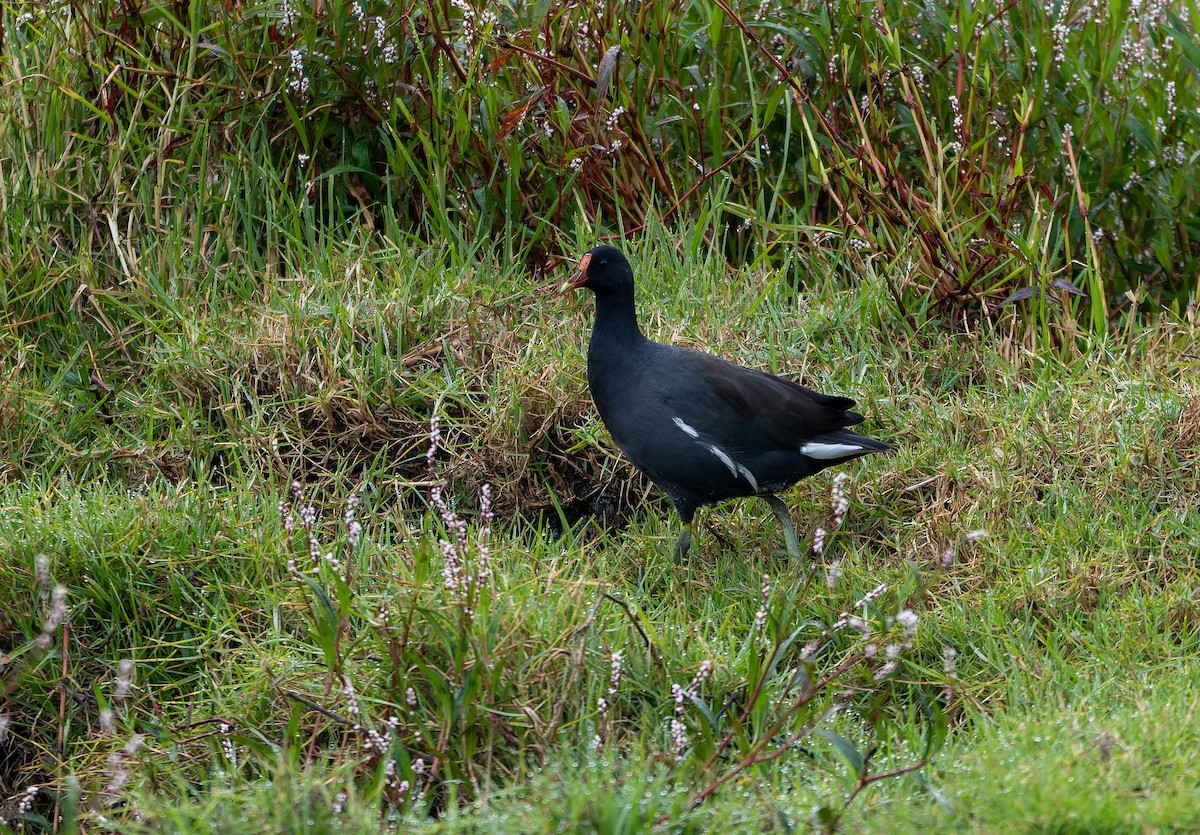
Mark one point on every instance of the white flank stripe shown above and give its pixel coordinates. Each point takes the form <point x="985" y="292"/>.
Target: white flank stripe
<point x="736" y="468"/>
<point x="725" y="459"/>
<point x="686" y="429"/>
<point x="829" y="452"/>
<point x="749" y="476"/>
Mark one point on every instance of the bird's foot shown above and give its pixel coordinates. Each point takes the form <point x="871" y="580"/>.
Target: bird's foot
<point x="780" y="509"/>
<point x="684" y="543"/>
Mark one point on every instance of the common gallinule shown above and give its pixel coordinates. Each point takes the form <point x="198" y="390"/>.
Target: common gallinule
<point x="703" y="429"/>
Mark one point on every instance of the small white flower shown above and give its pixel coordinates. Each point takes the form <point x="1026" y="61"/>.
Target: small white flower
<point x="835" y="574"/>
<point x="885" y="671"/>
<point x="907" y="619"/>
<point x="818" y="541"/>
<point x="289" y="17"/>
<point x="299" y="83"/>
<point x="948" y="655"/>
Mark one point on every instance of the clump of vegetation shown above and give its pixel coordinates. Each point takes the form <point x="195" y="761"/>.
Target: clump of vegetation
<point x="200" y="683"/>
<point x="429" y="687"/>
<point x="969" y="154"/>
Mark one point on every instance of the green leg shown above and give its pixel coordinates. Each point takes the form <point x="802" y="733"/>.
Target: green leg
<point x="684" y="543"/>
<point x="785" y="520"/>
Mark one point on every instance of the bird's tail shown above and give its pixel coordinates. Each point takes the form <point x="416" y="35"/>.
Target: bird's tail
<point x="843" y="445"/>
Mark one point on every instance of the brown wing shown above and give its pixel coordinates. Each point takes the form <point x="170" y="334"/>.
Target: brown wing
<point x="779" y="411"/>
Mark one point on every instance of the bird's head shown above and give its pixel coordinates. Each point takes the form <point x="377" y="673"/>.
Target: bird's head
<point x="602" y="269"/>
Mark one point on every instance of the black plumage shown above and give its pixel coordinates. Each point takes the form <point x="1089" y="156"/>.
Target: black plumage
<point x="704" y="430"/>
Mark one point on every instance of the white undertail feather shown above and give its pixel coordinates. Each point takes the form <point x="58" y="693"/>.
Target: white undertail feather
<point x="830" y="452"/>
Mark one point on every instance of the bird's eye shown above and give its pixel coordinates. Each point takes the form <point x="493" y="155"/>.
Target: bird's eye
<point x="603" y="263"/>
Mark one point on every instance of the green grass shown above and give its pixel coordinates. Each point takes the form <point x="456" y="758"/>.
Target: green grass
<point x="973" y="152"/>
<point x="1075" y="621"/>
<point x="193" y="318"/>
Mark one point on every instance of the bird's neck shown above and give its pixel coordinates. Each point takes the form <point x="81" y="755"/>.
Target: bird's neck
<point x="616" y="318"/>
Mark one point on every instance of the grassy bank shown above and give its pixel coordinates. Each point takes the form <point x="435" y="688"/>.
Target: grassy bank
<point x="150" y="491"/>
<point x="307" y="519"/>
